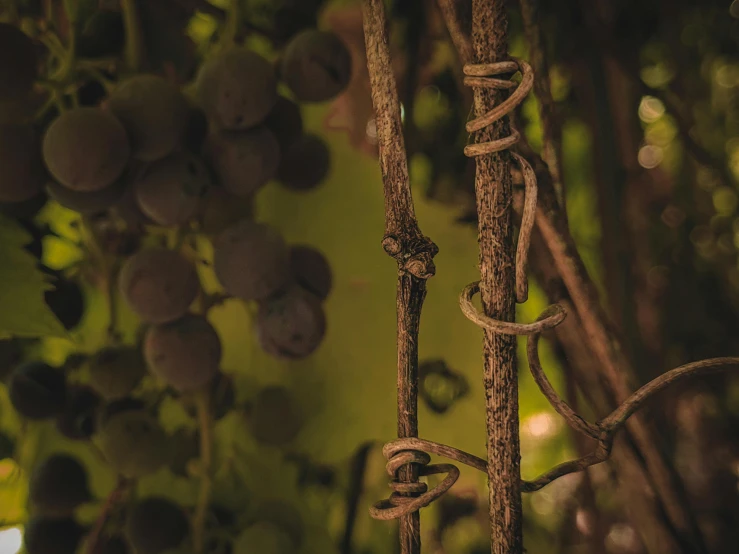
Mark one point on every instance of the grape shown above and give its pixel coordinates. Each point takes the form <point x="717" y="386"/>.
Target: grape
<point x="52" y="535"/>
<point x="237" y="88"/>
<point x="159" y="284"/>
<point x="116" y="371"/>
<point x="154" y="113"/>
<point x="77" y="420"/>
<point x="169" y="192"/>
<point x="274" y="419"/>
<point x="222" y="397"/>
<point x="66" y="299"/>
<point x="244" y="161"/>
<point x="311" y="270"/>
<point x="221" y="209"/>
<point x="316" y="66"/>
<point x="265" y="538"/>
<point x="251" y="260"/>
<point x="22" y="175"/>
<point x="304" y="164"/>
<point x="185" y="447"/>
<point x="86" y="149"/>
<point x="285" y="516"/>
<point x="103" y="35"/>
<point x="113" y="544"/>
<point x="18" y="63"/>
<point x="37" y="390"/>
<point x="127" y="208"/>
<point x="134" y="444"/>
<point x="58" y="486"/>
<point x="87" y="202"/>
<point x="184" y="353"/>
<point x="285" y="121"/>
<point x="154" y="525"/>
<point x="7" y="446"/>
<point x="291" y="325"/>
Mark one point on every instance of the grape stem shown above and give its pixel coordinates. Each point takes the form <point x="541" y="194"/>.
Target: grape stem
<point x="133" y="51"/>
<point x="93" y="540"/>
<point x="205" y="422"/>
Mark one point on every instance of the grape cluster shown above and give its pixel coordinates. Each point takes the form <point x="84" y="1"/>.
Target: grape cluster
<point x="155" y="166"/>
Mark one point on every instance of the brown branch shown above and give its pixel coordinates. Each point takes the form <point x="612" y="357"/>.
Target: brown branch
<point x="497" y="287"/>
<point x="459" y="32"/>
<point x="403" y="241"/>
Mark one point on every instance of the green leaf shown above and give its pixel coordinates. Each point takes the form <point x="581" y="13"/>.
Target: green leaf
<point x="23" y="311"/>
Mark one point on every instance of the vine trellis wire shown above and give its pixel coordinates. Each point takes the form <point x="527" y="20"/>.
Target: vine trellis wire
<point x="409" y="456"/>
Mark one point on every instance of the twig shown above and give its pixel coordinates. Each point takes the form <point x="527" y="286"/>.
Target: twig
<point x="93" y="539"/>
<point x="552" y="135"/>
<point x="403" y="241"/>
<point x="456" y="27"/>
<point x="134" y="46"/>
<point x="205" y="424"/>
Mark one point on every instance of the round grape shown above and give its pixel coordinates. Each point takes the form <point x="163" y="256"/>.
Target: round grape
<point x="18" y="63"/>
<point x="273" y="418"/>
<point x="22" y="175"/>
<point x="116" y="371"/>
<point x="185" y="353"/>
<point x="134" y="444"/>
<point x="154" y="525"/>
<point x="159" y="284"/>
<point x="311" y="270"/>
<point x="58" y="486"/>
<point x="237" y="88"/>
<point x="251" y="260"/>
<point x="221" y="209"/>
<point x="43" y="535"/>
<point x="154" y="113"/>
<point x="170" y="191"/>
<point x="285" y="121"/>
<point x="77" y="420"/>
<point x="316" y="66"/>
<point x="291" y="325"/>
<point x="304" y="164"/>
<point x="37" y="390"/>
<point x="86" y="149"/>
<point x="244" y="161"/>
<point x="87" y="203"/>
<point x="263" y="537"/>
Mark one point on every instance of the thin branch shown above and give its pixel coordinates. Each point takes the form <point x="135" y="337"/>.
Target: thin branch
<point x="115" y="496"/>
<point x="354" y="494"/>
<point x="403" y="241"/>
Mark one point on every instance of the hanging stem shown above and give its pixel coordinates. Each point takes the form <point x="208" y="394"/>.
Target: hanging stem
<point x="134" y="49"/>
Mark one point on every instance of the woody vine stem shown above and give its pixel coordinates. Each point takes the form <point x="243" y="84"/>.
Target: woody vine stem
<point x="503" y="282"/>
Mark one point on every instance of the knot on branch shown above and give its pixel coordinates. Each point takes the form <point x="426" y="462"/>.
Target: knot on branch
<point x="415" y="254"/>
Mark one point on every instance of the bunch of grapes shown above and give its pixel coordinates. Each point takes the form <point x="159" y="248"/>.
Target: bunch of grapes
<point x="155" y="164"/>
